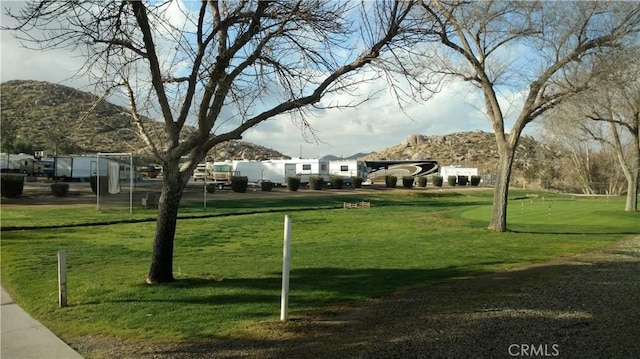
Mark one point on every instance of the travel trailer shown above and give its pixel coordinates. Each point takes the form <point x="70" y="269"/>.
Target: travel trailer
<point x="446" y="171"/>
<point x="348" y="169"/>
<point x="17" y="163"/>
<point x="79" y="168"/>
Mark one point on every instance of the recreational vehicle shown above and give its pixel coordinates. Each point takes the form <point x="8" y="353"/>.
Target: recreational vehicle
<point x="379" y="169"/>
<point x="446" y="171"/>
<point x="17" y="163"/>
<point x="79" y="168"/>
<point x="348" y="169"/>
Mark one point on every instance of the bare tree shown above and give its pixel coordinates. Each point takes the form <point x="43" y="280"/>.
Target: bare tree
<point x="222" y="67"/>
<point x="615" y="102"/>
<point x="529" y="49"/>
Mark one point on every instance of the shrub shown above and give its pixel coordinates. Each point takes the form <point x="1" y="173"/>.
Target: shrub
<point x="391" y="181"/>
<point x="407" y="181"/>
<point x="104" y="185"/>
<point x="356" y="181"/>
<point x="463" y="180"/>
<point x="60" y="189"/>
<point x="293" y="183"/>
<point x="337" y="182"/>
<point x="475" y="180"/>
<point x="422" y="181"/>
<point x="437" y="180"/>
<point x="211" y="187"/>
<point x="451" y="180"/>
<point x="239" y="184"/>
<point x="12" y="185"/>
<point x="316" y="182"/>
<point x="267" y="186"/>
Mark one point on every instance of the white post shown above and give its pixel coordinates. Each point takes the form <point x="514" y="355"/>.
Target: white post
<point x="62" y="278"/>
<point x="286" y="267"/>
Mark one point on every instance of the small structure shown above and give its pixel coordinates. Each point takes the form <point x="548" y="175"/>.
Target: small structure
<point x="356" y="204"/>
<point x="150" y="200"/>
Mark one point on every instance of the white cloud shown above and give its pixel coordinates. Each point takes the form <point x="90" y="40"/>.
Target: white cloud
<point x="372" y="126"/>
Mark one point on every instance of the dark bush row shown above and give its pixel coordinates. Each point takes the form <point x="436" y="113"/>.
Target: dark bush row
<point x="437" y="180"/>
<point x="391" y="181"/>
<point x="239" y="184"/>
<point x="60" y="189"/>
<point x="11" y="185"/>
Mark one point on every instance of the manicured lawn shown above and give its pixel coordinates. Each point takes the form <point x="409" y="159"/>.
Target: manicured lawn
<point x="229" y="267"/>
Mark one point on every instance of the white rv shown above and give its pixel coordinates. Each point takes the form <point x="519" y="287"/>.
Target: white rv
<point x="304" y="168"/>
<point x="80" y="168"/>
<point x="446" y="171"/>
<point x="348" y="169"/>
<point x="265" y="171"/>
<point x="17" y="163"/>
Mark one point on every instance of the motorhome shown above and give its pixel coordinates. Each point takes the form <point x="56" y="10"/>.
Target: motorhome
<point x="379" y="169"/>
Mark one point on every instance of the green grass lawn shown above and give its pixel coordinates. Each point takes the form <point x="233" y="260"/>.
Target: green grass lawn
<point x="229" y="267"/>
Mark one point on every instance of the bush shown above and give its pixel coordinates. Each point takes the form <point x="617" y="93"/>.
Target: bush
<point x="407" y="181"/>
<point x="451" y="180"/>
<point x="239" y="184"/>
<point x="211" y="187"/>
<point x="104" y="185"/>
<point x="60" y="189"/>
<point x="463" y="180"/>
<point x="475" y="180"/>
<point x="391" y="181"/>
<point x="337" y="182"/>
<point x="293" y="183"/>
<point x="437" y="180"/>
<point x="356" y="181"/>
<point x="422" y="181"/>
<point x="316" y="182"/>
<point x="267" y="186"/>
<point x="12" y="185"/>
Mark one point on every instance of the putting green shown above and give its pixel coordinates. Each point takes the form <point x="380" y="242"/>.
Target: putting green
<point x="567" y="216"/>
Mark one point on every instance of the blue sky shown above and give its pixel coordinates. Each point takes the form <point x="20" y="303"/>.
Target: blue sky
<point x="373" y="126"/>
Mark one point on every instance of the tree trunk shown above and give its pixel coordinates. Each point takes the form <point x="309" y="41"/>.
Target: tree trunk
<point x="162" y="258"/>
<point x="632" y="193"/>
<point x="501" y="193"/>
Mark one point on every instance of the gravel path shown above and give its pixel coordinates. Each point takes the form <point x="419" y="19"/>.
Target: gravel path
<point x="586" y="306"/>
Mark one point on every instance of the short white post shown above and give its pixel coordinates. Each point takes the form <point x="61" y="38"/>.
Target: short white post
<point x="62" y="278"/>
<point x="286" y="267"/>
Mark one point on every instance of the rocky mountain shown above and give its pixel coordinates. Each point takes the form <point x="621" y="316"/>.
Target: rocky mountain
<point x="57" y="118"/>
<point x="51" y="116"/>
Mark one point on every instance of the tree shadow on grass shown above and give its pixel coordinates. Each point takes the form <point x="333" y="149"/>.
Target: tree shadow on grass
<point x="582" y="308"/>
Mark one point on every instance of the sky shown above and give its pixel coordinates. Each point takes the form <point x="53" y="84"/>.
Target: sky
<point x="371" y="127"/>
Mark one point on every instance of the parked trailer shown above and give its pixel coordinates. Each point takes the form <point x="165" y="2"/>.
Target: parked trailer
<point x="17" y="163"/>
<point x="348" y="169"/>
<point x="79" y="168"/>
<point x="304" y="168"/>
<point x="378" y="169"/>
<point x="446" y="171"/>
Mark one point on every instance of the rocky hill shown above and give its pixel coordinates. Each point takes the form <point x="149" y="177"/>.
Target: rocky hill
<point x="54" y="117"/>
<point x="51" y="116"/>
